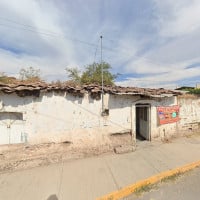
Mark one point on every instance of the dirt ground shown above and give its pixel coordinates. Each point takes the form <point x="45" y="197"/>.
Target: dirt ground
<point x="21" y="156"/>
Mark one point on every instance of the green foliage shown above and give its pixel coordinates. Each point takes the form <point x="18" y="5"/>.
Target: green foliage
<point x="194" y="91"/>
<point x="93" y="74"/>
<point x="185" y="88"/>
<point x="74" y="74"/>
<point x="30" y="74"/>
<point x="190" y="90"/>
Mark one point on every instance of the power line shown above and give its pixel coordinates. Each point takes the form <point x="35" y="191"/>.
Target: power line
<point x="47" y="32"/>
<point x="125" y="50"/>
<point x="50" y="34"/>
<point x="56" y="35"/>
<point x="25" y="25"/>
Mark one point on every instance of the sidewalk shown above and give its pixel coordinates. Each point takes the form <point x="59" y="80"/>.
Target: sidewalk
<point x="87" y="179"/>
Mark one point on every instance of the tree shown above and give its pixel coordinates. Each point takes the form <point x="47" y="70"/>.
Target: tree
<point x="74" y="74"/>
<point x="93" y="74"/>
<point x="30" y="74"/>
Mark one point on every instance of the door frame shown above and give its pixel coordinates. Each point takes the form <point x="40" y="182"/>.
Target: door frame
<point x="140" y="103"/>
<point x="148" y="106"/>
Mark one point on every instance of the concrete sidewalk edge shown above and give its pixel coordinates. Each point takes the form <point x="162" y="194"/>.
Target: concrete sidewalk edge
<point x="151" y="180"/>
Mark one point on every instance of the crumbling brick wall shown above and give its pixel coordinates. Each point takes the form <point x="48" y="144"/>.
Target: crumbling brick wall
<point x="189" y="113"/>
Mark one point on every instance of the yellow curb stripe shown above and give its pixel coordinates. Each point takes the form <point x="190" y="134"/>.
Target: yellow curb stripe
<point x="151" y="180"/>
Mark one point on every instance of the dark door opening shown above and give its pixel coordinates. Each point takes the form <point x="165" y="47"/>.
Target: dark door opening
<point x="142" y="122"/>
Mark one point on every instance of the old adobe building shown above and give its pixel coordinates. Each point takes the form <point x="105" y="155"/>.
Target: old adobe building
<point x="41" y="113"/>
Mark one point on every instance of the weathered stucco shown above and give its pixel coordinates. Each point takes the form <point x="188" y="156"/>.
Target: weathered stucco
<point x="62" y="117"/>
<point x="189" y="113"/>
<point x="58" y="117"/>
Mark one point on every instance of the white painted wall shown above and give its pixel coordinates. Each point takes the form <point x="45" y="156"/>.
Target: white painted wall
<point x="58" y="117"/>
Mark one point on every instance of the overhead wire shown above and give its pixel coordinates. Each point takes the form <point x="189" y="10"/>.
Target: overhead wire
<point x="54" y="34"/>
<point x="25" y="25"/>
<point x="49" y="33"/>
<point x="125" y="51"/>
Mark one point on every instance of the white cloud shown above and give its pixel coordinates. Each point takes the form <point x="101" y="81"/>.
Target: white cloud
<point x="161" y="75"/>
<point x="176" y="47"/>
<point x="176" y="18"/>
<point x="40" y="42"/>
<point x="161" y="51"/>
<point x="168" y="79"/>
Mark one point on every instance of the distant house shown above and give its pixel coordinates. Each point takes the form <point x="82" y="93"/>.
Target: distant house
<point x="41" y="113"/>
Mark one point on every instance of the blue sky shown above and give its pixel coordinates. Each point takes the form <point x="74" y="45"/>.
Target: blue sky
<point x="151" y="43"/>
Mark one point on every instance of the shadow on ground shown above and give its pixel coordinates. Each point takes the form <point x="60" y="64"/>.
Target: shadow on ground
<point x="52" y="197"/>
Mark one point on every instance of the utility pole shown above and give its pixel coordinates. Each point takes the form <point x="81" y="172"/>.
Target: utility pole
<point x="102" y="92"/>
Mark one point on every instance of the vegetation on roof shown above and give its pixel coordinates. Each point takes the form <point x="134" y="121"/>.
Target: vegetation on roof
<point x="185" y="88"/>
<point x="30" y="74"/>
<point x="190" y="90"/>
<point x="26" y="75"/>
<point x="6" y="79"/>
<point x="194" y="91"/>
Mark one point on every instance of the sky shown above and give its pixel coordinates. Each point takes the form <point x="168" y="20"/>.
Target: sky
<point x="151" y="43"/>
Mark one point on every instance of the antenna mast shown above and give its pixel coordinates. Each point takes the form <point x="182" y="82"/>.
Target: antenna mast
<point x="102" y="92"/>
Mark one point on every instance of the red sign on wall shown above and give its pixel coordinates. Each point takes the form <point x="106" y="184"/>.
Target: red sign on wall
<point x="168" y="114"/>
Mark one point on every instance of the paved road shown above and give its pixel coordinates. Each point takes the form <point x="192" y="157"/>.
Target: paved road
<point x="87" y="179"/>
<point x="185" y="187"/>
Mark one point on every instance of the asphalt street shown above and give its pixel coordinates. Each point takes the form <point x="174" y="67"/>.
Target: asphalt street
<point x="90" y="178"/>
<point x="185" y="187"/>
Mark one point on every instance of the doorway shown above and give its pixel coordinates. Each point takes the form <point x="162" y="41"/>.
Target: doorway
<point x="142" y="122"/>
<point x="11" y="128"/>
